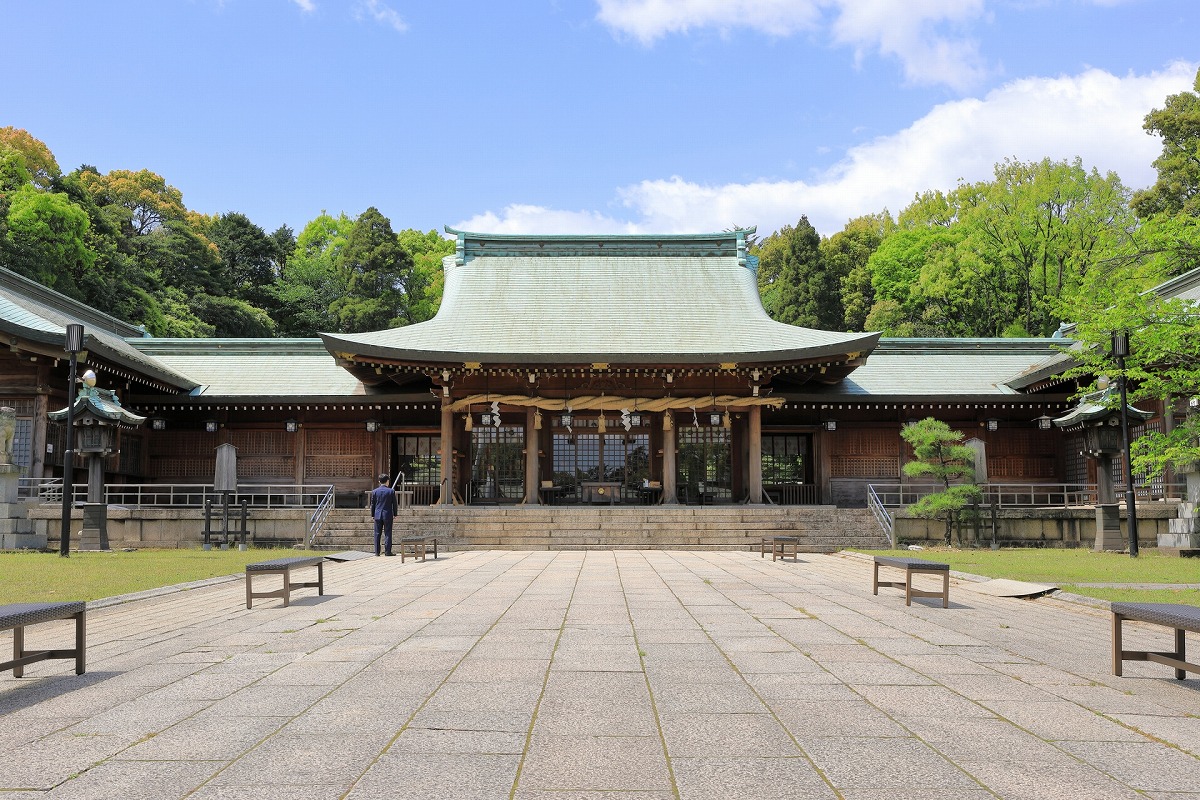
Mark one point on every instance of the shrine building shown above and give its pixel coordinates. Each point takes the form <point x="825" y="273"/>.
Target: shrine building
<point x="590" y="370"/>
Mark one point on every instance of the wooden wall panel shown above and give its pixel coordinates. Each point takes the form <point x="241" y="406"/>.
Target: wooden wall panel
<point x="334" y="454"/>
<point x="864" y="453"/>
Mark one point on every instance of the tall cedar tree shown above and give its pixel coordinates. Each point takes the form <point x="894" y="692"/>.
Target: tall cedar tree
<point x="377" y="271"/>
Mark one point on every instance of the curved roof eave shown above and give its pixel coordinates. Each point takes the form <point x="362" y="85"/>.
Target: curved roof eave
<point x="854" y="346"/>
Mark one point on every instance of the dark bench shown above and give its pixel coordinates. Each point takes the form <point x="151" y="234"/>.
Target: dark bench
<point x="1175" y="616"/>
<point x="18" y="616"/>
<point x="780" y="547"/>
<point x="284" y="567"/>
<point x="913" y="566"/>
<point x="417" y="546"/>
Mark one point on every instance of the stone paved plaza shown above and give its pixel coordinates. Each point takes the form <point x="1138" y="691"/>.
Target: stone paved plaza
<point x="629" y="675"/>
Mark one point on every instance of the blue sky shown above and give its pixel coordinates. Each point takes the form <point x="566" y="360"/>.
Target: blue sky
<point x="576" y="116"/>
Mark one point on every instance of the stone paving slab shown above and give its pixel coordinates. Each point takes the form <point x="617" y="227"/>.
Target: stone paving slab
<point x="631" y="675"/>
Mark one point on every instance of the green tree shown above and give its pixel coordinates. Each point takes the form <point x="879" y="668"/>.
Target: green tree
<point x="231" y="317"/>
<point x="940" y="455"/>
<point x="305" y="294"/>
<point x="1164" y="353"/>
<point x="147" y="200"/>
<point x="1177" y="190"/>
<point x="35" y="155"/>
<point x="991" y="258"/>
<point x="425" y="289"/>
<point x="901" y="307"/>
<point x="377" y="272"/>
<point x="310" y="281"/>
<point x="846" y="255"/>
<point x="247" y="257"/>
<point x="46" y="239"/>
<point x="794" y="284"/>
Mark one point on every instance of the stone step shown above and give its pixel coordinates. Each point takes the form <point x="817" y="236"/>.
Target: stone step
<point x="821" y="528"/>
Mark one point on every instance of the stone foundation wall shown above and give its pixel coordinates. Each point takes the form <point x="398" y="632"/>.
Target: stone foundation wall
<point x="1041" y="527"/>
<point x="171" y="528"/>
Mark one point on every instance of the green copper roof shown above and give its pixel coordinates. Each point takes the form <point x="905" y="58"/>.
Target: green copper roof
<point x="662" y="299"/>
<point x="940" y="368"/>
<point x="31" y="312"/>
<point x="1097" y="406"/>
<point x="255" y="367"/>
<point x="102" y="403"/>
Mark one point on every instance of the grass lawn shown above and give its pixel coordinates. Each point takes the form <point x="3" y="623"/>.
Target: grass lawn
<point x="1069" y="568"/>
<point x="27" y="577"/>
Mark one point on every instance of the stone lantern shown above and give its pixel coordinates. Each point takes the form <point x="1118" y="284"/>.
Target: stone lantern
<point x="1098" y="418"/>
<point x="98" y="416"/>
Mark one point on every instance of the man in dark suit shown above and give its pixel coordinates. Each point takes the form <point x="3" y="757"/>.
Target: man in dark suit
<point x="383" y="510"/>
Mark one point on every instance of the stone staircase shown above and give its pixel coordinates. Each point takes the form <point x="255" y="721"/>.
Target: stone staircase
<point x="821" y="529"/>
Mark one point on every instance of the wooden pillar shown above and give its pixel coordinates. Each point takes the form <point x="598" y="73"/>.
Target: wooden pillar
<point x="445" y="496"/>
<point x="668" y="476"/>
<point x="755" y="465"/>
<point x="300" y="449"/>
<point x="532" y="495"/>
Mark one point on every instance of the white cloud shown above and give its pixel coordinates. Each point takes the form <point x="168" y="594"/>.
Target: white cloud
<point x="909" y="31"/>
<point x="1094" y="115"/>
<point x="519" y="218"/>
<point x="307" y="6"/>
<point x="648" y="20"/>
<point x="381" y="12"/>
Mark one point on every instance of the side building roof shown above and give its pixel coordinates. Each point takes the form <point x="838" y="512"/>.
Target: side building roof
<point x="36" y="317"/>
<point x="931" y="369"/>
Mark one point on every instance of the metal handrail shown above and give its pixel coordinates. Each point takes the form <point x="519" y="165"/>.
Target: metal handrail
<point x="192" y="495"/>
<point x="881" y="515"/>
<point x="316" y="523"/>
<point x="48" y="490"/>
<point x="1003" y="495"/>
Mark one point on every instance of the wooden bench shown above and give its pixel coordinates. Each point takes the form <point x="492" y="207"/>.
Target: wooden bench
<point x="780" y="546"/>
<point x="418" y="546"/>
<point x="18" y="616"/>
<point x="913" y="566"/>
<point x="284" y="567"/>
<point x="1175" y="616"/>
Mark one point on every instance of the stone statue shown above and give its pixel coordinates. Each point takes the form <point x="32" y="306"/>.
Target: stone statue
<point x="8" y="429"/>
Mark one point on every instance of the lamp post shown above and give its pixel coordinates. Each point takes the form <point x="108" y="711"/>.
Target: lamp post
<point x="1120" y="349"/>
<point x="74" y="344"/>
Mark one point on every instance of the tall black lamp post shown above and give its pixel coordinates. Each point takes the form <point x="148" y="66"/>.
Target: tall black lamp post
<point x="1120" y="349"/>
<point x="74" y="345"/>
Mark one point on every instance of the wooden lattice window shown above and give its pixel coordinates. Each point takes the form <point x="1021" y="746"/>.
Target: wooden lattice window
<point x="338" y="454"/>
<point x="266" y="455"/>
<point x="130" y="459"/>
<point x="865" y="453"/>
<point x="185" y="456"/>
<point x="1021" y="455"/>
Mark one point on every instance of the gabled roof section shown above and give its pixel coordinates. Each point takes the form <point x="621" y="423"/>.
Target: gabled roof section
<point x="690" y="299"/>
<point x="258" y="368"/>
<point x="924" y="369"/>
<point x="34" y="318"/>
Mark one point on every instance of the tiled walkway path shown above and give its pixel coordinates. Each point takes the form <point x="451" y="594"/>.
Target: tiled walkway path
<point x="636" y="675"/>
